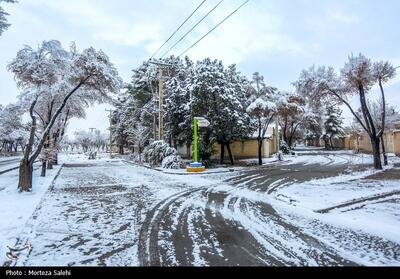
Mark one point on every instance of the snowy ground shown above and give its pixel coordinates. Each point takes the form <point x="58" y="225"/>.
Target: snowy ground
<point x="17" y="208"/>
<point x="316" y="208"/>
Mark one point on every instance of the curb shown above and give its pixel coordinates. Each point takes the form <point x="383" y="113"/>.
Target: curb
<point x="5" y="171"/>
<point x="166" y="172"/>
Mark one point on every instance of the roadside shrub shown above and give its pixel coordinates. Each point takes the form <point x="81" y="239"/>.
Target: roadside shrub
<point x="284" y="148"/>
<point x="160" y="153"/>
<point x="172" y="162"/>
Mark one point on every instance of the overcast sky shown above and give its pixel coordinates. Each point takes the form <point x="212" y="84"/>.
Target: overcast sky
<point x="275" y="38"/>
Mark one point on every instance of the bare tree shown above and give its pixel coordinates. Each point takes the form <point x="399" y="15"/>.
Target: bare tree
<point x="357" y="78"/>
<point x="291" y="111"/>
<point x="263" y="109"/>
<point x="383" y="72"/>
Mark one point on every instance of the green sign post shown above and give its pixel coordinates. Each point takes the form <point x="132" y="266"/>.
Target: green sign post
<point x="196" y="166"/>
<point x="196" y="141"/>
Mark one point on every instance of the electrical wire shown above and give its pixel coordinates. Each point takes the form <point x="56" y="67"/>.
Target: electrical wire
<point x="209" y="32"/>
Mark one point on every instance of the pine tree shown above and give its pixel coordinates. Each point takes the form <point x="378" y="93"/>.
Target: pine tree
<point x="219" y="94"/>
<point x="333" y="124"/>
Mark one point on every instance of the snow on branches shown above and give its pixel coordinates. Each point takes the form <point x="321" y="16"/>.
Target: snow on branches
<point x="56" y="82"/>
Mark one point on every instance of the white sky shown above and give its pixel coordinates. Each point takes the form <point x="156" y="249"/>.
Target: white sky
<point x="275" y="38"/>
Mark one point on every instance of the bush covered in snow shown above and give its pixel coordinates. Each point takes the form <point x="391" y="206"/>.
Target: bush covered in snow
<point x="285" y="148"/>
<point x="160" y="153"/>
<point x="172" y="162"/>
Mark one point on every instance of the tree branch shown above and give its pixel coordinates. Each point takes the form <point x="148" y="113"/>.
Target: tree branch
<point x="54" y="118"/>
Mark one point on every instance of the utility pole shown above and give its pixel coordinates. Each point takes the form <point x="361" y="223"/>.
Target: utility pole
<point x="161" y="107"/>
<point x="277" y="133"/>
<point x="160" y="97"/>
<point x="110" y="117"/>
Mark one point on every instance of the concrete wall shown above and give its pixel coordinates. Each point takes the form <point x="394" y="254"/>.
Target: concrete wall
<point x="247" y="149"/>
<point x="396" y="142"/>
<point x="363" y="144"/>
<point x="241" y="150"/>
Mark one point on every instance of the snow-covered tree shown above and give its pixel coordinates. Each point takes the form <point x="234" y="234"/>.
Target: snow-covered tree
<point x="291" y="111"/>
<point x="262" y="109"/>
<point x="333" y="125"/>
<point x="357" y="77"/>
<point x="178" y="116"/>
<point x="119" y="128"/>
<point x="3" y="20"/>
<point x="219" y="94"/>
<point x="84" y="139"/>
<point x="142" y="102"/>
<point x="86" y="76"/>
<point x="313" y="124"/>
<point x="13" y="132"/>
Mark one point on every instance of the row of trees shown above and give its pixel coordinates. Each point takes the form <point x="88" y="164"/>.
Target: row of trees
<point x="86" y="141"/>
<point x="238" y="108"/>
<point x="13" y="132"/>
<point x="57" y="84"/>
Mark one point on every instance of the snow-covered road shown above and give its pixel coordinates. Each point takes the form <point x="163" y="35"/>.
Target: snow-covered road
<point x="112" y="213"/>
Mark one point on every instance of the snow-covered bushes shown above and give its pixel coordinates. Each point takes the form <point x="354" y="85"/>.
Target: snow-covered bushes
<point x="172" y="162"/>
<point x="160" y="153"/>
<point x="285" y="148"/>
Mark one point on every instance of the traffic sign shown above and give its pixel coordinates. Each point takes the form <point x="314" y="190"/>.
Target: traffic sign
<point x="202" y="122"/>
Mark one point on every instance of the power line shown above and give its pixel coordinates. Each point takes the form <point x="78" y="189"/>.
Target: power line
<point x="187" y="33"/>
<point x="186" y="20"/>
<point x="214" y="28"/>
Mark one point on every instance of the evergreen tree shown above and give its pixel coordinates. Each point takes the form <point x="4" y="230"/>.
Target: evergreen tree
<point x="333" y="124"/>
<point x="219" y="94"/>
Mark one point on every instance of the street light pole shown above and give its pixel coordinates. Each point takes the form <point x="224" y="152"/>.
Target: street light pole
<point x="277" y="133"/>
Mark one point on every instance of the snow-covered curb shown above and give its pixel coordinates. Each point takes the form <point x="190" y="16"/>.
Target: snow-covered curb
<point x="184" y="172"/>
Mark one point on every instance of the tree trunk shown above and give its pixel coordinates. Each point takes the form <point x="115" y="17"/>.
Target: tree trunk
<point x="385" y="157"/>
<point x="25" y="176"/>
<point x="188" y="150"/>
<point x="331" y="143"/>
<point x="376" y="152"/>
<point x="55" y="159"/>
<point x="222" y="157"/>
<point x="43" y="172"/>
<point x="260" y="145"/>
<point x="230" y="154"/>
<point x="121" y="150"/>
<point x="50" y="164"/>
<point x="326" y="143"/>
